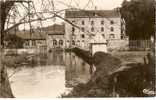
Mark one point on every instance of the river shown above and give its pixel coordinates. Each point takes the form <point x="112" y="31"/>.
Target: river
<point x="59" y="74"/>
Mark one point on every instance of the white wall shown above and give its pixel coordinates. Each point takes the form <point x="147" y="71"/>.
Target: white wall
<point x="50" y="39"/>
<point x="118" y="44"/>
<point x="97" y="27"/>
<point x="20" y="51"/>
<point x="99" y="48"/>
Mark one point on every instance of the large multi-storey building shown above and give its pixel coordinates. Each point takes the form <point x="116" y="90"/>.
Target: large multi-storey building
<point x="92" y="24"/>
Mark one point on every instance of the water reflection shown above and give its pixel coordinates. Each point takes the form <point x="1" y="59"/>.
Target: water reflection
<point x="77" y="71"/>
<point x="60" y="72"/>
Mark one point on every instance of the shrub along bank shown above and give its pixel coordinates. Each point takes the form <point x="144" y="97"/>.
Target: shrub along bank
<point x="108" y="80"/>
<point x="24" y="60"/>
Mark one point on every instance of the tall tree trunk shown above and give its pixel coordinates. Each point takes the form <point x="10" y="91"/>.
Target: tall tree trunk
<point x="5" y="89"/>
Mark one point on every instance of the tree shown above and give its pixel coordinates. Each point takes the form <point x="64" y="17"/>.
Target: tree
<point x="13" y="41"/>
<point x="5" y="89"/>
<point x="139" y="18"/>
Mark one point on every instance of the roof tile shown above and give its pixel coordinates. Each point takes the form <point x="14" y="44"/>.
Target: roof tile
<point x="91" y="13"/>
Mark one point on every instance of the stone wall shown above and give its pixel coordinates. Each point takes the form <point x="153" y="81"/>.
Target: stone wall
<point x="118" y="45"/>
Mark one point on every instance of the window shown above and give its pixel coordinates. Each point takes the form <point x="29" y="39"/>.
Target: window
<point x="68" y="41"/>
<point x="83" y="29"/>
<point x="27" y="43"/>
<point x="102" y="22"/>
<point x="111" y="36"/>
<point x="54" y="42"/>
<point x="111" y="22"/>
<point x="73" y="21"/>
<point x="33" y="43"/>
<point x="102" y="29"/>
<point x="92" y="29"/>
<point x="83" y="22"/>
<point x="112" y="29"/>
<point x="82" y="35"/>
<point x="39" y="42"/>
<point x="92" y="22"/>
<point x="61" y="42"/>
<point x="103" y="35"/>
<point x="73" y="29"/>
<point x="73" y="42"/>
<point x="78" y="42"/>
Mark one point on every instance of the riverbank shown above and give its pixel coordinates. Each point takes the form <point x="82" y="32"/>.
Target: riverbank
<point x="5" y="89"/>
<point x="112" y="77"/>
<point x="24" y="59"/>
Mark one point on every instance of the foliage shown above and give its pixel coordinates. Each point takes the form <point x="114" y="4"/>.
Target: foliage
<point x="139" y="18"/>
<point x="13" y="41"/>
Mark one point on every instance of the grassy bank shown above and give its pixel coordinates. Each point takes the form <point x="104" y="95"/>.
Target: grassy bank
<point x="114" y="76"/>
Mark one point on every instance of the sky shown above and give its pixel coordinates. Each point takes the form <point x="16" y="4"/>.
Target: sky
<point x="91" y="4"/>
<point x="64" y="4"/>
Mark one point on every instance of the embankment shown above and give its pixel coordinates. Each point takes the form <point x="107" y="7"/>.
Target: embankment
<point x="98" y="86"/>
<point x="111" y="79"/>
<point x="24" y="59"/>
<point x="5" y="89"/>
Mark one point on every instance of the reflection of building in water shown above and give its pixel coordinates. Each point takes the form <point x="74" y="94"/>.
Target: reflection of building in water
<point x="77" y="71"/>
<point x="56" y="58"/>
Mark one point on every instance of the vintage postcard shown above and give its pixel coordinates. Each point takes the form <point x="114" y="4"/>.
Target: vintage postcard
<point x="77" y="48"/>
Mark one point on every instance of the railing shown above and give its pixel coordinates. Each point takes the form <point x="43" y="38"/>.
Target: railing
<point x="140" y="44"/>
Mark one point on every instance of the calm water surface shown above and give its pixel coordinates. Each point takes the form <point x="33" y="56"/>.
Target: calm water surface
<point x="58" y="75"/>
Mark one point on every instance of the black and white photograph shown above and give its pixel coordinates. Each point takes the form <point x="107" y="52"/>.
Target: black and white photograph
<point x="77" y="49"/>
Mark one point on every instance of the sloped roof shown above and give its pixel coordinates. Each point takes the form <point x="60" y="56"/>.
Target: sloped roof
<point x="91" y="13"/>
<point x="34" y="35"/>
<point x="55" y="29"/>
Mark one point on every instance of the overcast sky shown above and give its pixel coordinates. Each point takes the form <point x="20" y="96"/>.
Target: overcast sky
<point x="99" y="4"/>
<point x="87" y="4"/>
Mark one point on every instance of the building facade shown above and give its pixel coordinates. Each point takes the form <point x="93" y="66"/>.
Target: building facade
<point x="36" y="39"/>
<point x="55" y="37"/>
<point x="89" y="25"/>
